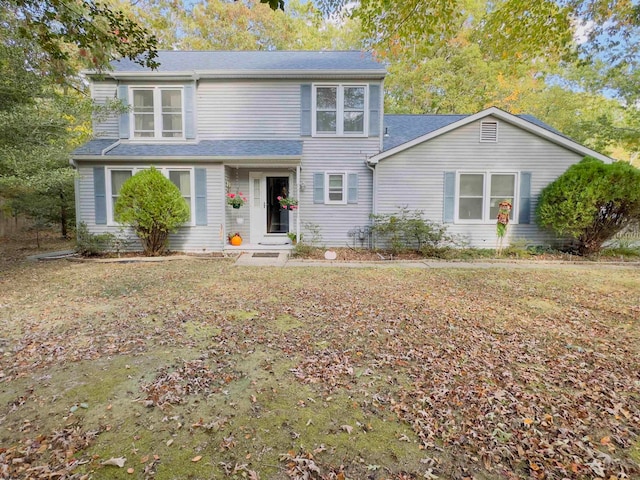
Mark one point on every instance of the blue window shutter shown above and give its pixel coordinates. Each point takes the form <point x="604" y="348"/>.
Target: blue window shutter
<point x="318" y="187"/>
<point x="352" y="191"/>
<point x="189" y="111"/>
<point x="100" y="195"/>
<point x="374" y="110"/>
<point x="201" y="195"/>
<point x="524" y="215"/>
<point x="449" y="197"/>
<point x="305" y="109"/>
<point x="123" y="96"/>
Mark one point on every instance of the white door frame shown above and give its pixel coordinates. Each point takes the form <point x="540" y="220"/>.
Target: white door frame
<point x="258" y="204"/>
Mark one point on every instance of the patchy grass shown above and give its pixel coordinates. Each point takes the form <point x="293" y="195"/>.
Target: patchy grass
<point x="200" y="369"/>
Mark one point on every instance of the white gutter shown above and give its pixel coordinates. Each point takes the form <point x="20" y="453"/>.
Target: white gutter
<point x="264" y="74"/>
<point x="110" y="147"/>
<point x="202" y="158"/>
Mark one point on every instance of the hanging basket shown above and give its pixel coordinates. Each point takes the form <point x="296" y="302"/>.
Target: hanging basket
<point x="236" y="206"/>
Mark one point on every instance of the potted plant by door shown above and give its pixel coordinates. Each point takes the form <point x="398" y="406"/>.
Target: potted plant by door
<point x="235" y="239"/>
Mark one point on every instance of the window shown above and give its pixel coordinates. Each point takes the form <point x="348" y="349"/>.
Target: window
<point x="335" y="192"/>
<point x="157" y="112"/>
<point x="182" y="178"/>
<point x="479" y="195"/>
<point x="340" y="109"/>
<point x="118" y="177"/>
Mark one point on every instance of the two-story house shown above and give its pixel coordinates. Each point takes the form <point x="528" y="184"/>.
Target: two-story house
<point x="309" y="126"/>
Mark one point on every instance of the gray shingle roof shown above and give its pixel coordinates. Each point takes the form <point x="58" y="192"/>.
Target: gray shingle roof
<point x="205" y="148"/>
<point x="404" y="128"/>
<point x="256" y="61"/>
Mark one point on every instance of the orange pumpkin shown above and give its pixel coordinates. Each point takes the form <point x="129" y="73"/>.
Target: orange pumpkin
<point x="236" y="240"/>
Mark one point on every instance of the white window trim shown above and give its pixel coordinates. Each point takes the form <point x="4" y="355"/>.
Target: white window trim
<point x="486" y="197"/>
<point x="344" y="189"/>
<point x="165" y="171"/>
<point x="339" y="110"/>
<point x="157" y="113"/>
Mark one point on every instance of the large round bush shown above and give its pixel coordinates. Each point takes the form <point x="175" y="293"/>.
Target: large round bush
<point x="153" y="207"/>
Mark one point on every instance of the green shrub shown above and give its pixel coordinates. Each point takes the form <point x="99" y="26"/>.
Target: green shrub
<point x="408" y="231"/>
<point x="89" y="244"/>
<point x="591" y="202"/>
<point x="153" y="206"/>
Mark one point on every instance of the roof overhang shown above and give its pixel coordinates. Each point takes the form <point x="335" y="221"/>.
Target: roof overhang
<point x="241" y="74"/>
<point x="271" y="160"/>
<point x="501" y="115"/>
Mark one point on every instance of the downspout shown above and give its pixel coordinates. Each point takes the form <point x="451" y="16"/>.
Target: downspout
<point x="374" y="190"/>
<point x="299" y="203"/>
<point x="374" y="186"/>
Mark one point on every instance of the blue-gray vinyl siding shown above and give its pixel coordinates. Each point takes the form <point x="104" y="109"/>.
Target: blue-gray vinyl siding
<point x="105" y="126"/>
<point x="197" y="238"/>
<point x="339" y="155"/>
<point x="235" y="109"/>
<point x="415" y="177"/>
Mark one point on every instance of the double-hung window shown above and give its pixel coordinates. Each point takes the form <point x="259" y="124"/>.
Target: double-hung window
<point x="480" y="193"/>
<point x="157" y="112"/>
<point x="340" y="109"/>
<point x="335" y="188"/>
<point x="182" y="178"/>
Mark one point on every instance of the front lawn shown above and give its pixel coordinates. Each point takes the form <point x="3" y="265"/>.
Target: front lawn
<point x="200" y="369"/>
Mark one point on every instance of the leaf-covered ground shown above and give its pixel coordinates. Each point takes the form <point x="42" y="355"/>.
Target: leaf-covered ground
<point x="200" y="369"/>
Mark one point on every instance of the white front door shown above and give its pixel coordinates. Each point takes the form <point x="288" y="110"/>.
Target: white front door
<point x="269" y="222"/>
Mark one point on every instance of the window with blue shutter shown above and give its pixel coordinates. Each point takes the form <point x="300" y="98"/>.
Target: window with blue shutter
<point x="100" y="196"/>
<point x="352" y="192"/>
<point x="189" y="111"/>
<point x="448" y="214"/>
<point x="318" y="187"/>
<point x="201" y="195"/>
<point x="374" y="110"/>
<point x="123" y="121"/>
<point x="524" y="214"/>
<point x="305" y="110"/>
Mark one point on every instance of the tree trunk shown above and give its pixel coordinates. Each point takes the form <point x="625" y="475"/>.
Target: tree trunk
<point x="63" y="216"/>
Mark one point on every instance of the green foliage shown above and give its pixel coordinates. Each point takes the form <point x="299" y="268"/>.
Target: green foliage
<point x="153" y="206"/>
<point x="404" y="231"/>
<point x="310" y="240"/>
<point x="89" y="244"/>
<point x="591" y="202"/>
<point x="93" y="32"/>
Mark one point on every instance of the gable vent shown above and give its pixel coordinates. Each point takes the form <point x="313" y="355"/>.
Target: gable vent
<point x="489" y="131"/>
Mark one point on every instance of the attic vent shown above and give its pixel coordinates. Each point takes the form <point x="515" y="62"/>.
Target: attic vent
<point x="489" y="131"/>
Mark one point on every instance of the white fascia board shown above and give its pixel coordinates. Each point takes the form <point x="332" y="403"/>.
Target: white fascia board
<point x="501" y="115"/>
<point x="294" y="159"/>
<point x="265" y="74"/>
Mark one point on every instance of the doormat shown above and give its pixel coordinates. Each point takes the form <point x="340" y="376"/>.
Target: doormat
<point x="265" y="255"/>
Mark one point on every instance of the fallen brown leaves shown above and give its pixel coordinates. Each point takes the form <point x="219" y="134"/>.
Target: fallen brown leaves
<point x="174" y="383"/>
<point x="498" y="373"/>
<point x="46" y="457"/>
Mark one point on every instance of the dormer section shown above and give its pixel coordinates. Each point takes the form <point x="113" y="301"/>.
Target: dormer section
<point x="157" y="112"/>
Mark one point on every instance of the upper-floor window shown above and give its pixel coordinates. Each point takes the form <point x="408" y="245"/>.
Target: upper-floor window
<point x="340" y="109"/>
<point x="157" y="112"/>
<point x="479" y="195"/>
